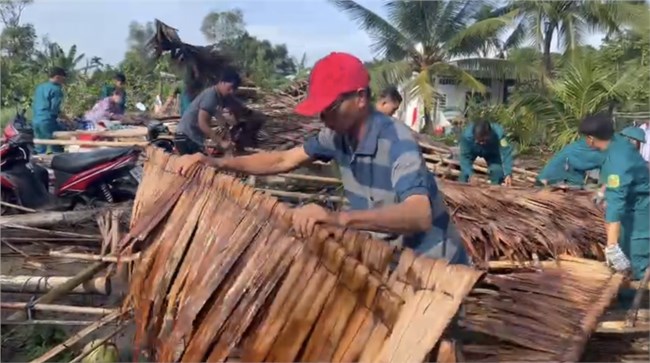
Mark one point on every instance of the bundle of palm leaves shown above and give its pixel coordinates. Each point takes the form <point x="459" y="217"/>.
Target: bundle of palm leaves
<point x="530" y="315"/>
<point x="517" y="223"/>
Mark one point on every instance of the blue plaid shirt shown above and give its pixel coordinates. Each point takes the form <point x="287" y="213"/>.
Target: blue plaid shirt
<point x="386" y="168"/>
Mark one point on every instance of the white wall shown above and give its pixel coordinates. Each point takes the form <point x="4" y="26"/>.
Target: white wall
<point x="456" y="93"/>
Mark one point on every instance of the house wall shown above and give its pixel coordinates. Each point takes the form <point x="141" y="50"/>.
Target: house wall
<point x="455" y="93"/>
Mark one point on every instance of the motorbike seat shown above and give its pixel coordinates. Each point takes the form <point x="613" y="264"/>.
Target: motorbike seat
<point x="73" y="163"/>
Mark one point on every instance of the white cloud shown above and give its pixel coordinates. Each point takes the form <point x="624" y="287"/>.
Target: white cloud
<point x="314" y="42"/>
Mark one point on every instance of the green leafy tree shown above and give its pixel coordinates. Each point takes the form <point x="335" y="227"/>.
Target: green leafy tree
<point x="568" y="21"/>
<point x="580" y="89"/>
<point x="52" y="55"/>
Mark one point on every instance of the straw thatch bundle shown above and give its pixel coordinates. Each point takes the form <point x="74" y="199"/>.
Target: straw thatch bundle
<point x="222" y="275"/>
<point x="515" y="223"/>
<point x="222" y="272"/>
<point x="538" y="316"/>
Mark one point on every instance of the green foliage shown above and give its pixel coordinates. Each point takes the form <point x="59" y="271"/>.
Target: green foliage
<point x="31" y="342"/>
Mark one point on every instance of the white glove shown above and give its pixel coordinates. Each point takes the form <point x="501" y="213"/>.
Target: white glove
<point x="616" y="259"/>
<point x="599" y="198"/>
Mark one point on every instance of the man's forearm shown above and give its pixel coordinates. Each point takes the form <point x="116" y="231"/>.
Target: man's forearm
<point x="266" y="163"/>
<point x="403" y="218"/>
<point x="204" y="125"/>
<point x="613" y="232"/>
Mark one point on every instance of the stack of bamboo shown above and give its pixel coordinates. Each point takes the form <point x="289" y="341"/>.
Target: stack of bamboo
<point x="224" y="274"/>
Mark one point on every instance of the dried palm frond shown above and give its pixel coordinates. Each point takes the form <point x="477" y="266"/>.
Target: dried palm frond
<point x="545" y="315"/>
<point x="516" y="223"/>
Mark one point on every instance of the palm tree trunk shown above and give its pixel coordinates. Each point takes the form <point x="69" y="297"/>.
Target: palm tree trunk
<point x="548" y="61"/>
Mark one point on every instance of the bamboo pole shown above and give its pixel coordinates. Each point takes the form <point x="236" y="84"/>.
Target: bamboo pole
<point x="89" y="257"/>
<point x="50" y="322"/>
<point x="42" y="219"/>
<point x="42" y="284"/>
<point x="58" y="308"/>
<point x="77" y="337"/>
<point x="60" y="290"/>
<point x="18" y="207"/>
<point x="52" y="232"/>
<point x="301" y="196"/>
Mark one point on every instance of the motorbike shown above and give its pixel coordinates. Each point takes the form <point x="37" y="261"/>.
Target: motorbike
<point x="80" y="179"/>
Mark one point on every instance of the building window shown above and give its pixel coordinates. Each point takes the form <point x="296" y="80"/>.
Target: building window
<point x="442" y="101"/>
<point x="447" y="81"/>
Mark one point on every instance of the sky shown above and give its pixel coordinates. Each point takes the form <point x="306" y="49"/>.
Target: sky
<point x="100" y="27"/>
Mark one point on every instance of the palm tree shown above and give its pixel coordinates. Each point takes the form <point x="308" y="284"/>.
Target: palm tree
<point x="420" y="39"/>
<point x="568" y="21"/>
<point x="581" y="88"/>
<point x="54" y="56"/>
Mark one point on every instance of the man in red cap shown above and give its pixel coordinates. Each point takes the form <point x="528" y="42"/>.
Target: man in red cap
<point x="387" y="184"/>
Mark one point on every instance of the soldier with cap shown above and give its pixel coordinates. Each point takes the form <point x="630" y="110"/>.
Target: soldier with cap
<point x="386" y="182"/>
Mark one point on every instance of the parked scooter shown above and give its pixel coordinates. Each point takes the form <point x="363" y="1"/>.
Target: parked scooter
<point x="81" y="179"/>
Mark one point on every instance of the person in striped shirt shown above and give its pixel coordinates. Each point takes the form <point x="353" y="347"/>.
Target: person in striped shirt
<point x="388" y="187"/>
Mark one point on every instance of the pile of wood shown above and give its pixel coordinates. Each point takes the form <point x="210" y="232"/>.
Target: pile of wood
<point x="518" y="223"/>
<point x="222" y="275"/>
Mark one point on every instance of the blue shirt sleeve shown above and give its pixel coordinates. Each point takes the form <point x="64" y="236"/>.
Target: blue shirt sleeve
<point x="409" y="174"/>
<point x="55" y="99"/>
<point x="321" y="146"/>
<point x="554" y="169"/>
<point x="582" y="157"/>
<point x="617" y="183"/>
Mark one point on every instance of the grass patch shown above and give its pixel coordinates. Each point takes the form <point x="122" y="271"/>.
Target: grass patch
<point x="25" y="343"/>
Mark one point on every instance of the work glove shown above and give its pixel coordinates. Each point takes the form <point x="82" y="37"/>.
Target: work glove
<point x="616" y="259"/>
<point x="598" y="198"/>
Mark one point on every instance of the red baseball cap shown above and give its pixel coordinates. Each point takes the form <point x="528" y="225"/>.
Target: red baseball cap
<point x="332" y="76"/>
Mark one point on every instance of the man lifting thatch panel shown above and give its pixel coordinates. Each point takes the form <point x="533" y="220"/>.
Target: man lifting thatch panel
<point x="222" y="273"/>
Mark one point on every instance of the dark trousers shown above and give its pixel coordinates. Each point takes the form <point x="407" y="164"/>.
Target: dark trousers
<point x="186" y="146"/>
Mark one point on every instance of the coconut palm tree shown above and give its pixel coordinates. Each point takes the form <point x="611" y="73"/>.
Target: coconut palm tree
<point x="581" y="88"/>
<point x="420" y="39"/>
<point x="567" y="21"/>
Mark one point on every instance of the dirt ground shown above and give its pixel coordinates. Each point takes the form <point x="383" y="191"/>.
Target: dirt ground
<point x="21" y="343"/>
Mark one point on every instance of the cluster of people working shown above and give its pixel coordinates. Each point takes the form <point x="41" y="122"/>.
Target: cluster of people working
<point x="47" y="102"/>
<point x="389" y="189"/>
